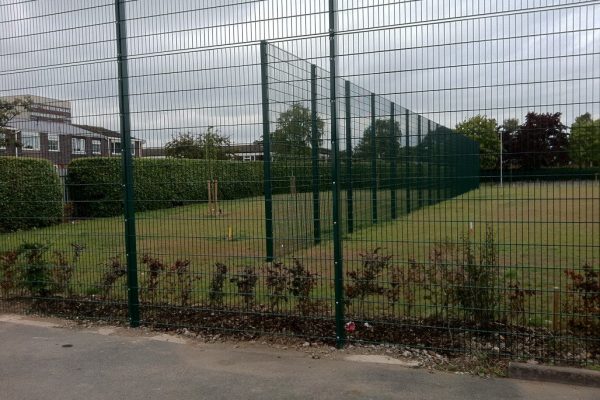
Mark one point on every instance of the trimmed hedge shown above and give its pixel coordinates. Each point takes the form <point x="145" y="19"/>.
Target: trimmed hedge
<point x="96" y="191"/>
<point x="31" y="194"/>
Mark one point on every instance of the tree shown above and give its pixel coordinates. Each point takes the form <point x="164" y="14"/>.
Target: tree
<point x="210" y="145"/>
<point x="385" y="146"/>
<point x="484" y="131"/>
<point x="8" y="110"/>
<point x="541" y="141"/>
<point x="293" y="135"/>
<point x="508" y="130"/>
<point x="584" y="142"/>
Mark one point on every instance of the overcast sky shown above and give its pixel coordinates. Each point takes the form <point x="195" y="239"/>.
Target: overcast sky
<point x="195" y="64"/>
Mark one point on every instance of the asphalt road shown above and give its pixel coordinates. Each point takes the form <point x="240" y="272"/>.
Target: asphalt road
<point x="40" y="359"/>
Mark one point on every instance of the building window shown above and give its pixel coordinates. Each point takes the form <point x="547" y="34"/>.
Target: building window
<point x="96" y="147"/>
<point x="78" y="145"/>
<point x="53" y="143"/>
<point x="30" y="141"/>
<point x="115" y="147"/>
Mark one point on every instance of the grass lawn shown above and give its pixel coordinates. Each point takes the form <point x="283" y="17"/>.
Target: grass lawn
<point x="540" y="229"/>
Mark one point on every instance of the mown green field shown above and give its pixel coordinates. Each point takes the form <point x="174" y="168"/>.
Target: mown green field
<point x="540" y="230"/>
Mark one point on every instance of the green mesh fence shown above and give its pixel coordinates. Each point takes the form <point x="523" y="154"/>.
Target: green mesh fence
<point x="392" y="161"/>
<point x="415" y="173"/>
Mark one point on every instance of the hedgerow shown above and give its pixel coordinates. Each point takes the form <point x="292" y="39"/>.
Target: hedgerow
<point x="30" y="194"/>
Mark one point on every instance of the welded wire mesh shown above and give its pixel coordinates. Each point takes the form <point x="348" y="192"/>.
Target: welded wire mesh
<point x="445" y="198"/>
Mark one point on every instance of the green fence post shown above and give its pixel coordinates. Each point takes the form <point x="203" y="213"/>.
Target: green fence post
<point x="420" y="179"/>
<point x="373" y="162"/>
<point x="430" y="177"/>
<point x="340" y="332"/>
<point x="267" y="151"/>
<point x="349" y="188"/>
<point x="315" y="155"/>
<point x="407" y="163"/>
<point x="393" y="165"/>
<point x="438" y="164"/>
<point x="133" y="300"/>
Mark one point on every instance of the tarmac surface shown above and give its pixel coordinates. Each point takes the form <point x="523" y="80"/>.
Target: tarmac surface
<point x="45" y="359"/>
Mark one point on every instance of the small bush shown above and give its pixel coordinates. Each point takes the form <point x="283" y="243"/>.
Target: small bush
<point x="155" y="268"/>
<point x="301" y="284"/>
<point x="8" y="269"/>
<point x="583" y="300"/>
<point x="216" y="294"/>
<point x="277" y="283"/>
<point x="31" y="194"/>
<point x="114" y="269"/>
<point x="35" y="270"/>
<point x="460" y="276"/>
<point x="181" y="268"/>
<point x="403" y="285"/>
<point x="64" y="267"/>
<point x="246" y="285"/>
<point x="366" y="281"/>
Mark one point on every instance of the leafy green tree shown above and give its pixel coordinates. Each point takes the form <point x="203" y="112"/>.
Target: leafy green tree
<point x="8" y="110"/>
<point x="385" y="145"/>
<point x="584" y="142"/>
<point x="210" y="145"/>
<point x="292" y="138"/>
<point x="485" y="131"/>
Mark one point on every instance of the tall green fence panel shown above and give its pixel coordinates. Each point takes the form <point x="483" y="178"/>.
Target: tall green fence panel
<point x="339" y="171"/>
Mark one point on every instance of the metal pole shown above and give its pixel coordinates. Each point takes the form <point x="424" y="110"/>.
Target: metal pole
<point x="266" y="151"/>
<point x="349" y="188"/>
<point x="420" y="196"/>
<point x="393" y="157"/>
<point x="315" y="155"/>
<point x="430" y="177"/>
<point x="133" y="301"/>
<point x="501" y="159"/>
<point x="407" y="162"/>
<point x="373" y="162"/>
<point x="337" y="237"/>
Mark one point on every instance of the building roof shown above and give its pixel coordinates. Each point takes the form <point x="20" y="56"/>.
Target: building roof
<point x="57" y="128"/>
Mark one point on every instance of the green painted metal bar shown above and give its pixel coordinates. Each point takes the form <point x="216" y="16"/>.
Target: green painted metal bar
<point x="133" y="300"/>
<point x="420" y="178"/>
<point x="349" y="186"/>
<point x="264" y="65"/>
<point x="340" y="332"/>
<point x="407" y="156"/>
<point x="393" y="163"/>
<point x="314" y="128"/>
<point x="438" y="163"/>
<point x="373" y="161"/>
<point x="430" y="169"/>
